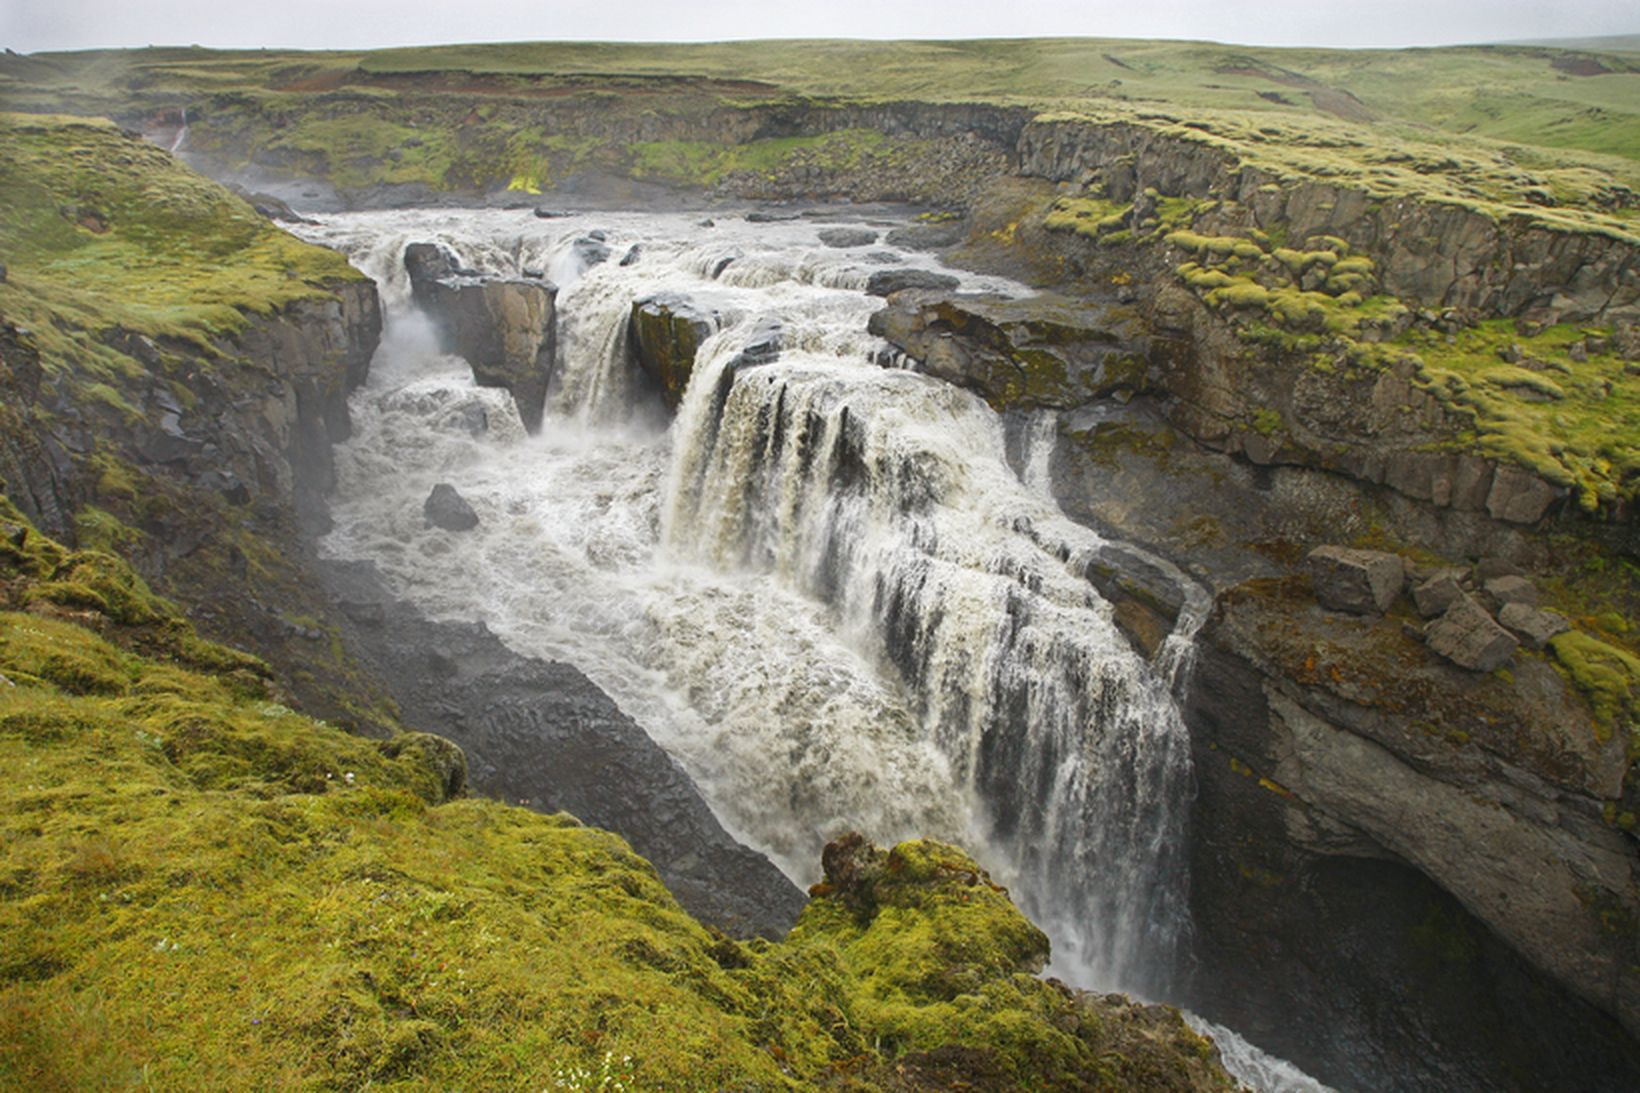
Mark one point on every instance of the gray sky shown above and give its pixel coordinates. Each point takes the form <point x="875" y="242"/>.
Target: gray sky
<point x="30" y="25"/>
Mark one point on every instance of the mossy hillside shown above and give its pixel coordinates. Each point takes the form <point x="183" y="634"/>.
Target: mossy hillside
<point x="107" y="229"/>
<point x="1554" y="97"/>
<point x="1570" y="136"/>
<point x="205" y="890"/>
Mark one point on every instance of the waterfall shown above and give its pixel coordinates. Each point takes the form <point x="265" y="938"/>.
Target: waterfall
<point x="181" y="138"/>
<point x="824" y="587"/>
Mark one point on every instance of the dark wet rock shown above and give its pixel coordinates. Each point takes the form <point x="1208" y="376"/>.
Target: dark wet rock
<point x="447" y="509"/>
<point x="764" y="216"/>
<point x="1434" y="596"/>
<point x="504" y="329"/>
<point x="1532" y="625"/>
<point x="1470" y="638"/>
<point x="591" y="249"/>
<point x="428" y="262"/>
<point x="1362" y="582"/>
<point x="664" y="336"/>
<point x="924" y="236"/>
<point x="882" y="258"/>
<point x="544" y="213"/>
<point x="847" y="237"/>
<point x="633" y="253"/>
<point x="889" y="281"/>
<point x="1361" y="806"/>
<point x="540" y="734"/>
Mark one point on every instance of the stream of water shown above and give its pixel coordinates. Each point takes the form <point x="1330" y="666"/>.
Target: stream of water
<point x="823" y="586"/>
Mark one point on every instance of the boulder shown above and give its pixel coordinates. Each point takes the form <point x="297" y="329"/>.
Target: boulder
<point x="924" y="236"/>
<point x="1362" y="582"/>
<point x="847" y="237"/>
<point x="1534" y="626"/>
<point x="1512" y="590"/>
<point x="1519" y="496"/>
<point x="449" y="510"/>
<point x="1435" y="595"/>
<point x="765" y="217"/>
<point x="1470" y="638"/>
<point x="889" y="281"/>
<point x="664" y="334"/>
<point x="544" y="213"/>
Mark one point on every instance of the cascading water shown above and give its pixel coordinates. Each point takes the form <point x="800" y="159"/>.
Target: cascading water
<point x="824" y="589"/>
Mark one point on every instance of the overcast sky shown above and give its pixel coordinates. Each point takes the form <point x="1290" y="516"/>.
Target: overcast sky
<point x="30" y="25"/>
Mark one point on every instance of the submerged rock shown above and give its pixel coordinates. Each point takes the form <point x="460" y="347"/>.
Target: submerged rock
<point x="449" y="510"/>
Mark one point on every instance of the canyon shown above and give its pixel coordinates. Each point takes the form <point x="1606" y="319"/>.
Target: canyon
<point x="947" y="469"/>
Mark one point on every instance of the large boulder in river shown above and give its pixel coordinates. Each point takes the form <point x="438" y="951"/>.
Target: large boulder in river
<point x="847" y="237"/>
<point x="1362" y="582"/>
<point x="449" y="510"/>
<point x="888" y="281"/>
<point x="665" y="334"/>
<point x="503" y="328"/>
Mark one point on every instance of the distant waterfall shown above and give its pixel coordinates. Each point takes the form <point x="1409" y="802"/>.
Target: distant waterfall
<point x="181" y="138"/>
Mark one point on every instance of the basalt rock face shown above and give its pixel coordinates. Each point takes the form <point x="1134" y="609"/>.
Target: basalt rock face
<point x="506" y="330"/>
<point x="540" y="733"/>
<point x="34" y="468"/>
<point x="1436" y="254"/>
<point x="1466" y="812"/>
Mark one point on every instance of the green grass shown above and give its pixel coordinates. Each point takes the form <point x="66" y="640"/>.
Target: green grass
<point x="203" y="889"/>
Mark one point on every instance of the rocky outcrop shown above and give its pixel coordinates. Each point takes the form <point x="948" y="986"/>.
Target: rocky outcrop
<point x="664" y="334"/>
<point x="505" y="329"/>
<point x="34" y="468"/>
<point x="1437" y="254"/>
<point x="1043" y="352"/>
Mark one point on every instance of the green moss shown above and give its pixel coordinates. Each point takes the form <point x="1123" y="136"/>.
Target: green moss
<point x="206" y="890"/>
<point x="1607" y="676"/>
